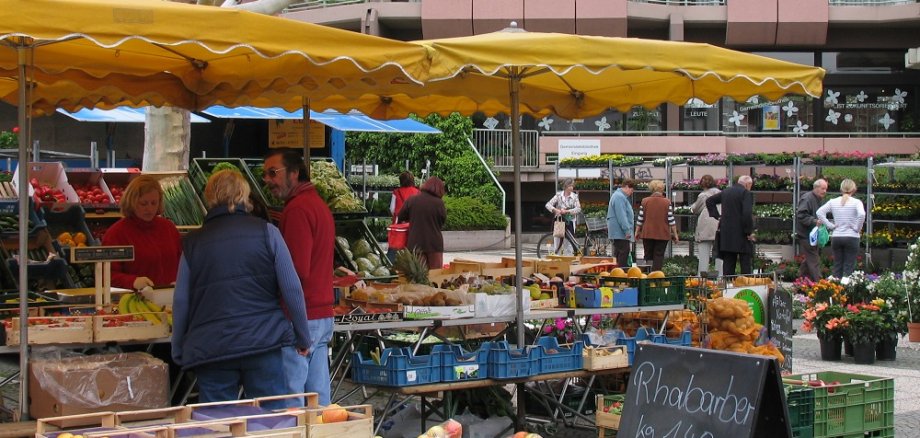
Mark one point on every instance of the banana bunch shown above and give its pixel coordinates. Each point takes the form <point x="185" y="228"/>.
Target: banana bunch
<point x="375" y="354"/>
<point x="137" y="303"/>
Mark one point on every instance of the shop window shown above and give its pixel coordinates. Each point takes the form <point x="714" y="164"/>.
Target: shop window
<point x="791" y="114"/>
<point x="867" y="109"/>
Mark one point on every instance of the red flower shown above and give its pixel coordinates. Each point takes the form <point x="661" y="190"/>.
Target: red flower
<point x="15" y="130"/>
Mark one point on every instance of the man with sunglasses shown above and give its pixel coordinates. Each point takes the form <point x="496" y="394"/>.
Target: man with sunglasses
<point x="309" y="232"/>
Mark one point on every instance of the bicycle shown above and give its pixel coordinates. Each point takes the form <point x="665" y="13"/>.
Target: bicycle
<point x="595" y="241"/>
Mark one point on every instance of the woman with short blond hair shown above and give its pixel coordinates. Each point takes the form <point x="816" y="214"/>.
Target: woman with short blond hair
<point x="849" y="216"/>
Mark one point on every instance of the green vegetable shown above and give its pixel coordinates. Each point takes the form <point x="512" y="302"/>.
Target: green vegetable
<point x="361" y="248"/>
<point x="364" y="264"/>
<point x="381" y="272"/>
<point x="342" y="242"/>
<point x="374" y="259"/>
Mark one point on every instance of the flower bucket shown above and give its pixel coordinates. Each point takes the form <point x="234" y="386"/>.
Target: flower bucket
<point x="830" y="348"/>
<point x="913" y="331"/>
<point x="887" y="348"/>
<point x="864" y="353"/>
<point x="848" y="348"/>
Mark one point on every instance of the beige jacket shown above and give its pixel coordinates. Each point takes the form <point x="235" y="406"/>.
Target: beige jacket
<point x="705" y="226"/>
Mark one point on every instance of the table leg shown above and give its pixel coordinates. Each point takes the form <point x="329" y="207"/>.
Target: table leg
<point x="521" y="411"/>
<point x="386" y="412"/>
<point x="422" y="416"/>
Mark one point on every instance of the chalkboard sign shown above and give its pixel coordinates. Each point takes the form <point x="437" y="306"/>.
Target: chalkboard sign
<point x="779" y="310"/>
<point x="694" y="393"/>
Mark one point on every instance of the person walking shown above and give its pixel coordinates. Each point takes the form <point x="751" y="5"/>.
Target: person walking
<point x="406" y="190"/>
<point x="309" y="232"/>
<point x="736" y="225"/>
<point x="565" y="207"/>
<point x="806" y="218"/>
<point x="656" y="224"/>
<point x="620" y="220"/>
<point x="427" y="214"/>
<point x="849" y="216"/>
<point x="706" y="226"/>
<point x="228" y="323"/>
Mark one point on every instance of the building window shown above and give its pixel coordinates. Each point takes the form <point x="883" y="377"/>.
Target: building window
<point x="866" y="109"/>
<point x="790" y="114"/>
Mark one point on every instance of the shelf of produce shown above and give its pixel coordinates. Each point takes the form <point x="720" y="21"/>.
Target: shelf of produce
<point x="81" y="346"/>
<point x="393" y="325"/>
<point x="202" y="169"/>
<point x="615" y="310"/>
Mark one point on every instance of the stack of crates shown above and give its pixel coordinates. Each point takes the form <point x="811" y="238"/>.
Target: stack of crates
<point x="850" y="405"/>
<point x="659" y="291"/>
<point x="396" y="367"/>
<point x="801" y="403"/>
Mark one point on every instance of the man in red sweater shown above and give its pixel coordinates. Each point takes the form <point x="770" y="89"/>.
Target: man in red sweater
<point x="309" y="231"/>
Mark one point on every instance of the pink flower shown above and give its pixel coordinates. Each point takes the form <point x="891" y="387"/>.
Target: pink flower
<point x="548" y="329"/>
<point x="560" y="324"/>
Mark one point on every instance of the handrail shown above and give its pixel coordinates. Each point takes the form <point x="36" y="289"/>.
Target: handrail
<point x="728" y="134"/>
<point x="491" y="174"/>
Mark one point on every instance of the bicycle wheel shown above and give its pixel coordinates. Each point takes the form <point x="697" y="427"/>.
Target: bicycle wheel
<point x="547" y="243"/>
<point x="597" y="246"/>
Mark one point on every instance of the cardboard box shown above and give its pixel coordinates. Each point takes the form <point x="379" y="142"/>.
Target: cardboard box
<point x="107" y="382"/>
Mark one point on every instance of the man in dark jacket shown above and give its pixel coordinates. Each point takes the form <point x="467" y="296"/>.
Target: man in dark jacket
<point x="736" y="224"/>
<point x="806" y="218"/>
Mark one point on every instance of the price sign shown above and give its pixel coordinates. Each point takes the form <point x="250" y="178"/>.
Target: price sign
<point x="780" y="317"/>
<point x="93" y="254"/>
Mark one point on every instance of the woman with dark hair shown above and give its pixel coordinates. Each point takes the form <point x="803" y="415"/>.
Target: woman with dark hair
<point x="706" y="226"/>
<point x="427" y="214"/>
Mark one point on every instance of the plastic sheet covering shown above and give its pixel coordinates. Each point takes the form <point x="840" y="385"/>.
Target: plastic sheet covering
<point x="113" y="381"/>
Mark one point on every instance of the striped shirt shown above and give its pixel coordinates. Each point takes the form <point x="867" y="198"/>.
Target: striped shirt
<point x="656" y="215"/>
<point x="848" y="219"/>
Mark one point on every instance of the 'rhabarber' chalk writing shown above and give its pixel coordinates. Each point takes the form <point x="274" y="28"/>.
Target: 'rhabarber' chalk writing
<point x="725" y="406"/>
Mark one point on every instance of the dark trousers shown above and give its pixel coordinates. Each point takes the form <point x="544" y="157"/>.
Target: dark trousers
<point x="730" y="259"/>
<point x="811" y="266"/>
<point x="654" y="251"/>
<point x="621" y="249"/>
<point x="845" y="251"/>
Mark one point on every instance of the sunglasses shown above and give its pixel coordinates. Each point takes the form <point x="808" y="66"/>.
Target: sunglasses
<point x="273" y="172"/>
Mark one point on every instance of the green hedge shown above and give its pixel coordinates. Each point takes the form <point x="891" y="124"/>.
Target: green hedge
<point x="465" y="213"/>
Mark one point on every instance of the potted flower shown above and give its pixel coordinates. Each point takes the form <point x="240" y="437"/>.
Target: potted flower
<point x="864" y="329"/>
<point x="830" y="323"/>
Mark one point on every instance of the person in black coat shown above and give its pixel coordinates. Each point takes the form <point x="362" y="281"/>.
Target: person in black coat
<point x="736" y="225"/>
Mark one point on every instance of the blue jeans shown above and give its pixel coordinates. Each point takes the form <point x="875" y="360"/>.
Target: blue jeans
<point x="295" y="368"/>
<point x="311" y="373"/>
<point x="260" y="374"/>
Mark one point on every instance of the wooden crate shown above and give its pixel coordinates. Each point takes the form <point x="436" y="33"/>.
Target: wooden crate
<point x="605" y="419"/>
<point x="594" y="358"/>
<point x="509" y="262"/>
<point x="52" y="426"/>
<point x="51" y="330"/>
<point x="550" y="303"/>
<point x="153" y="417"/>
<point x="550" y="268"/>
<point x="132" y="330"/>
<point x="134" y="432"/>
<point x="208" y="429"/>
<point x="360" y="423"/>
<point x="369" y="305"/>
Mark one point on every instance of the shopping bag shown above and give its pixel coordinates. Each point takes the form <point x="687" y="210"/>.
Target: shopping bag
<point x="397" y="236"/>
<point x="559" y="228"/>
<point x="818" y="236"/>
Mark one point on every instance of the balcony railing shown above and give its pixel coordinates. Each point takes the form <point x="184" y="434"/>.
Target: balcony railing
<point x="495" y="145"/>
<point x="319" y="4"/>
<point x="870" y="2"/>
<point x="683" y="2"/>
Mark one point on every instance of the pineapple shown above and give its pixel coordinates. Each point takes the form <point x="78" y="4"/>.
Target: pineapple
<point x="412" y="264"/>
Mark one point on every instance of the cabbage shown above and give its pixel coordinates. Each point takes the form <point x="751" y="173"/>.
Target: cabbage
<point x="381" y="272"/>
<point x="342" y="242"/>
<point x="347" y="253"/>
<point x="374" y="258"/>
<point x="364" y="264"/>
<point x="361" y="248"/>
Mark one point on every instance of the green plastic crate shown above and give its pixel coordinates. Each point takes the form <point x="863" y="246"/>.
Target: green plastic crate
<point x="858" y="404"/>
<point x="801" y="403"/>
<point x="659" y="291"/>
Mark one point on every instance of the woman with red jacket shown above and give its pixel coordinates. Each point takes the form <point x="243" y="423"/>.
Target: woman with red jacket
<point x="157" y="245"/>
<point x="406" y="190"/>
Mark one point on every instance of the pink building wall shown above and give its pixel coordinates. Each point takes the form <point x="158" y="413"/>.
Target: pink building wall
<point x="601" y="17"/>
<point x="802" y="22"/>
<point x="751" y="22"/>
<point x="447" y="18"/>
<point x="550" y="16"/>
<point x="495" y="15"/>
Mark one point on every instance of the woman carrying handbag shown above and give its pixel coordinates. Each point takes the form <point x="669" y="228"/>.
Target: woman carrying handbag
<point x="565" y="208"/>
<point x="398" y="233"/>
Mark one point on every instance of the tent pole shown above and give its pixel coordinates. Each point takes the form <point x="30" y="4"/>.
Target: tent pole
<point x="23" y="237"/>
<point x="515" y="87"/>
<point x="306" y="134"/>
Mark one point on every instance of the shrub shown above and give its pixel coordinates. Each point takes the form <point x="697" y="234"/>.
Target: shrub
<point x="465" y="213"/>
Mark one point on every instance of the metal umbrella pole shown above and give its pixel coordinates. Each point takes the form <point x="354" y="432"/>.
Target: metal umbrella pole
<point x="22" y="52"/>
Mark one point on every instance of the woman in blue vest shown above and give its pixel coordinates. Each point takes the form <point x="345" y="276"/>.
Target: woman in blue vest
<point x="228" y="323"/>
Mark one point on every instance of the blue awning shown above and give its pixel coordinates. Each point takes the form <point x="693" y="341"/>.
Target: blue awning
<point x="353" y="121"/>
<point x="120" y="114"/>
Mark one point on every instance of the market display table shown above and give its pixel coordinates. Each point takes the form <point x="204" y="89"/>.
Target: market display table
<point x="432" y="390"/>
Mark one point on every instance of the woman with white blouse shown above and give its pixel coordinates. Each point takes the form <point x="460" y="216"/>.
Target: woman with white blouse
<point x="849" y="216"/>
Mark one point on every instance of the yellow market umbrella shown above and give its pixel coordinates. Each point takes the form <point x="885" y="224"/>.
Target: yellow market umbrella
<point x="73" y="54"/>
<point x="578" y="76"/>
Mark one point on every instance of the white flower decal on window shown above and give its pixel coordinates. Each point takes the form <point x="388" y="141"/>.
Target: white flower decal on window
<point x="546" y="123"/>
<point x="800" y="128"/>
<point x="862" y="96"/>
<point x="753" y="100"/>
<point x="736" y="118"/>
<point x="898" y="96"/>
<point x="832" y="97"/>
<point x="886" y="121"/>
<point x="490" y="123"/>
<point x="832" y="116"/>
<point x="790" y="109"/>
<point x="848" y="118"/>
<point x="602" y="124"/>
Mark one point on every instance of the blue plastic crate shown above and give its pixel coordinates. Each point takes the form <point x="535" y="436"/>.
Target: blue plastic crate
<point x="511" y="363"/>
<point x="458" y="364"/>
<point x="628" y="297"/>
<point x="683" y="339"/>
<point x="593" y="297"/>
<point x="398" y="367"/>
<point x="555" y="358"/>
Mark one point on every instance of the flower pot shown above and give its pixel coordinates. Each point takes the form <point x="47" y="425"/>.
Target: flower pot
<point x="848" y="348"/>
<point x="830" y="348"/>
<point x="913" y="331"/>
<point x="887" y="348"/>
<point x="864" y="353"/>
